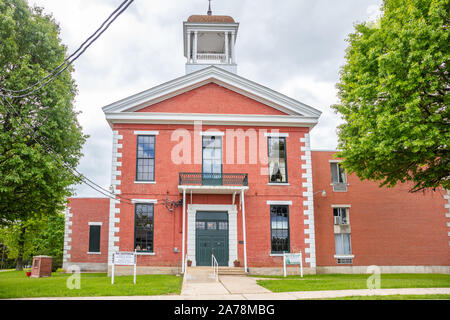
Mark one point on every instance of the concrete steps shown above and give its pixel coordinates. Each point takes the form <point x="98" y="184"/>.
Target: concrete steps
<point x="231" y="271"/>
<point x="201" y="272"/>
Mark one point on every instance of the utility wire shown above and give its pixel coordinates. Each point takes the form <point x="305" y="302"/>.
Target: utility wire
<point x="62" y="163"/>
<point x="105" y="25"/>
<point x="77" y="54"/>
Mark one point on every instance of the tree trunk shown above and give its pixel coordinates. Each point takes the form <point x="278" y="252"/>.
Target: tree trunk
<point x="19" y="262"/>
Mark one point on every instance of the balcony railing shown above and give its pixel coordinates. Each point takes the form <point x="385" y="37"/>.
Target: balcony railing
<point x="212" y="57"/>
<point x="213" y="179"/>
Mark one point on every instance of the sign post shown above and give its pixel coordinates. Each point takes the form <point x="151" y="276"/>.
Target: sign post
<point x="292" y="259"/>
<point x="124" y="259"/>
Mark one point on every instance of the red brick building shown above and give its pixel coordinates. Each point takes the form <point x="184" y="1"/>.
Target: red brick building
<point x="213" y="163"/>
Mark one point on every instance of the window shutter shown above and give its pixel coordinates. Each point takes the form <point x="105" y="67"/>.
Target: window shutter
<point x="94" y="239"/>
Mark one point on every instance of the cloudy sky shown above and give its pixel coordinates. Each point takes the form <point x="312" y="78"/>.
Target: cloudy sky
<point x="295" y="47"/>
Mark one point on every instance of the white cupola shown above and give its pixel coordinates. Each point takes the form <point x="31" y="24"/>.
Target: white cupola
<point x="210" y="40"/>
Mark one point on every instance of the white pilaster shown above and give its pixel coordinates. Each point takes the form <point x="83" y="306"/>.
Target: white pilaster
<point x="114" y="212"/>
<point x="195" y="46"/>
<point x="308" y="204"/>
<point x="189" y="47"/>
<point x="227" y="49"/>
<point x="233" y="54"/>
<point x="67" y="236"/>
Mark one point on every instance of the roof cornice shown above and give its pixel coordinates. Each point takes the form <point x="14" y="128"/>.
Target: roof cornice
<point x="211" y="119"/>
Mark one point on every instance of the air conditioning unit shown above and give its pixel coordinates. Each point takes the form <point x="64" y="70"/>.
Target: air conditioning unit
<point x="339" y="187"/>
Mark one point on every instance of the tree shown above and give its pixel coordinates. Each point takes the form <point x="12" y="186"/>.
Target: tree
<point x="42" y="237"/>
<point x="46" y="134"/>
<point x="394" y="96"/>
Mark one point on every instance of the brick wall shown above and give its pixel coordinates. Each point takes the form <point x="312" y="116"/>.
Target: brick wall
<point x="84" y="211"/>
<point x="389" y="227"/>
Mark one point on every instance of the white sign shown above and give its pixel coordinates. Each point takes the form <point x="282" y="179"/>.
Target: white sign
<point x="124" y="258"/>
<point x="293" y="258"/>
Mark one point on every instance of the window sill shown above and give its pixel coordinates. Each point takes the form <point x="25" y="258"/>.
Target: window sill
<point x="344" y="256"/>
<point x="145" y="182"/>
<point x="276" y="255"/>
<point x="145" y="254"/>
<point x="96" y="253"/>
<point x="278" y="184"/>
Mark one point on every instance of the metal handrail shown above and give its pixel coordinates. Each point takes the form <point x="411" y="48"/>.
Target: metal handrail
<point x="215" y="267"/>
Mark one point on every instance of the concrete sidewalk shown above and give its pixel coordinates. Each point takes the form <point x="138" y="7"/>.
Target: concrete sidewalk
<point x="271" y="296"/>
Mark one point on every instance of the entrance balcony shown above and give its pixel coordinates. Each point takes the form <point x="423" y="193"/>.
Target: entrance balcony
<point x="210" y="183"/>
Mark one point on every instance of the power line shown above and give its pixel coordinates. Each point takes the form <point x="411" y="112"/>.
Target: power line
<point x="62" y="163"/>
<point x="124" y="6"/>
<point x="52" y="75"/>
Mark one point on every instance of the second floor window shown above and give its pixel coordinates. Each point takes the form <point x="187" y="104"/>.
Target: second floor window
<point x="340" y="216"/>
<point x="145" y="162"/>
<point x="212" y="155"/>
<point x="277" y="160"/>
<point x="338" y="174"/>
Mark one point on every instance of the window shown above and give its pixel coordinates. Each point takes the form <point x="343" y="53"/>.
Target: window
<point x="200" y="225"/>
<point x="145" y="166"/>
<point x="342" y="242"/>
<point x="279" y="222"/>
<point x="212" y="155"/>
<point x="211" y="225"/>
<point x="94" y="239"/>
<point x="344" y="260"/>
<point x="223" y="225"/>
<point x="277" y="160"/>
<point x="144" y="221"/>
<point x="338" y="177"/>
<point x="338" y="174"/>
<point x="340" y="216"/>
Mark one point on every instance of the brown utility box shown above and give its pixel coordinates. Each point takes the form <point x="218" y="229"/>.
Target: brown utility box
<point x="42" y="267"/>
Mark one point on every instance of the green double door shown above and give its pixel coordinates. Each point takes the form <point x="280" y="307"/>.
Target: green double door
<point x="211" y="238"/>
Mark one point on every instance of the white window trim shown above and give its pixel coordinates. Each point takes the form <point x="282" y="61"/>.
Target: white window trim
<point x="276" y="135"/>
<point x="146" y="133"/>
<point x="276" y="255"/>
<point x="96" y="223"/>
<point x="145" y="253"/>
<point x="335" y="161"/>
<point x="341" y="206"/>
<point x="144" y="201"/>
<point x="95" y="253"/>
<point x="145" y="182"/>
<point x="279" y="203"/>
<point x="212" y="133"/>
<point x="344" y="256"/>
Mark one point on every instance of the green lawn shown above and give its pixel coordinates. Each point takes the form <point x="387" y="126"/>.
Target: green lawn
<point x="396" y="297"/>
<point x="15" y="284"/>
<point x="353" y="281"/>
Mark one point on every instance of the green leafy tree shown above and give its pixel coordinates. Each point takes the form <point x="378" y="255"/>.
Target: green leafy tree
<point x="33" y="183"/>
<point x="41" y="237"/>
<point x="394" y="96"/>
